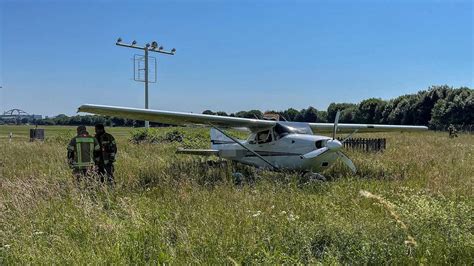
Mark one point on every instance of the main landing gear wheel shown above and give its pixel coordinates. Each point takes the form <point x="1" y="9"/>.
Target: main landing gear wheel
<point x="238" y="178"/>
<point x="309" y="177"/>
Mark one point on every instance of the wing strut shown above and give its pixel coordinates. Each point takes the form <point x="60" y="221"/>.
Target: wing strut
<point x="243" y="146"/>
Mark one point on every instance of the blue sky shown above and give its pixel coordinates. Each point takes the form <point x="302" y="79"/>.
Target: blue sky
<point x="231" y="55"/>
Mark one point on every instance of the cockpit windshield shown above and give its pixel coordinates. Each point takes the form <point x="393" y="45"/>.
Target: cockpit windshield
<point x="279" y="131"/>
<point x="295" y="127"/>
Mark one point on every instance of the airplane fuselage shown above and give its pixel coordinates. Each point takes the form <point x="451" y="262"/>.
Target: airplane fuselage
<point x="284" y="153"/>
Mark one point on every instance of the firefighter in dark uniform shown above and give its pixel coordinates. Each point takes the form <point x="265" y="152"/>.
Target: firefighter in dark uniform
<point x="108" y="150"/>
<point x="82" y="153"/>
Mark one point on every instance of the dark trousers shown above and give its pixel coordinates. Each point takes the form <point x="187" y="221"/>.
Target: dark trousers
<point x="80" y="174"/>
<point x="106" y="172"/>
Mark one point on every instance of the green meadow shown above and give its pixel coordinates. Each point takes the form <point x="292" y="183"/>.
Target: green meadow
<point x="411" y="204"/>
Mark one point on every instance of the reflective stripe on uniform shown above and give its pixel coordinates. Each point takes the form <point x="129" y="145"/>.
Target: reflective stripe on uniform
<point x="91" y="152"/>
<point x="79" y="152"/>
<point x="82" y="165"/>
<point x="90" y="139"/>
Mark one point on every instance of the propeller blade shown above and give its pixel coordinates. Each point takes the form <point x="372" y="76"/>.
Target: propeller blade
<point x="314" y="153"/>
<point x="349" y="136"/>
<point x="347" y="161"/>
<point x="336" y="121"/>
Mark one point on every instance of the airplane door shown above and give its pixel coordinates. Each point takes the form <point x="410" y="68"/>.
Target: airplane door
<point x="265" y="139"/>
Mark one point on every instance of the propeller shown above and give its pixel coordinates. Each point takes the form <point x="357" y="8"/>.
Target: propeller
<point x="314" y="153"/>
<point x="333" y="145"/>
<point x="349" y="136"/>
<point x="336" y="121"/>
<point x="347" y="161"/>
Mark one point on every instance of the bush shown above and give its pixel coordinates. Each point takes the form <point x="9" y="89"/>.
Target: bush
<point x="142" y="135"/>
<point x="152" y="135"/>
<point x="188" y="138"/>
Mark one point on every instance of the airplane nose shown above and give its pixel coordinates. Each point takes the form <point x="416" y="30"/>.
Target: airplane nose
<point x="334" y="144"/>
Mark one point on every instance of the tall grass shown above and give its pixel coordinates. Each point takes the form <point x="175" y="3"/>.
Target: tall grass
<point x="182" y="209"/>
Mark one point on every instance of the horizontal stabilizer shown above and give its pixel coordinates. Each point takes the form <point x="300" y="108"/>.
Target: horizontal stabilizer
<point x="203" y="152"/>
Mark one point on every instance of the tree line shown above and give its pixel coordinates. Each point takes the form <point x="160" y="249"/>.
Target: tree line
<point x="436" y="107"/>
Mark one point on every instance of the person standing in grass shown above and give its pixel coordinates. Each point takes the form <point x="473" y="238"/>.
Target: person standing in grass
<point x="452" y="131"/>
<point x="108" y="150"/>
<point x="82" y="153"/>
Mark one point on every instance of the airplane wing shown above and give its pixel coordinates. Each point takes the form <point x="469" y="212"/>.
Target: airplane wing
<point x="177" y="118"/>
<point x="328" y="127"/>
<point x="182" y="118"/>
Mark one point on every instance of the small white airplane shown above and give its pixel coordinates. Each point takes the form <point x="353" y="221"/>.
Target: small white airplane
<point x="277" y="145"/>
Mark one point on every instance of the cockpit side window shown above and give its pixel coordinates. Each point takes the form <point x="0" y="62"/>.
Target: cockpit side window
<point x="264" y="136"/>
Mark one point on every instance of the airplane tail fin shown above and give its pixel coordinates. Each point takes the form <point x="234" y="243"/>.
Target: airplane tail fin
<point x="218" y="139"/>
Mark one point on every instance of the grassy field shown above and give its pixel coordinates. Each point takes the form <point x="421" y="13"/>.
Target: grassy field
<point x="411" y="204"/>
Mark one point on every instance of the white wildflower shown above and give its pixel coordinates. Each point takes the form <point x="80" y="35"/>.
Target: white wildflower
<point x="291" y="217"/>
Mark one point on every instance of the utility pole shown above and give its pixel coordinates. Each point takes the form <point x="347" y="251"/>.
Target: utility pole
<point x="147" y="48"/>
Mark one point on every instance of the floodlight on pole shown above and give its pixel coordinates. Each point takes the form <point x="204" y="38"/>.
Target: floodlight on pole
<point x="146" y="49"/>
